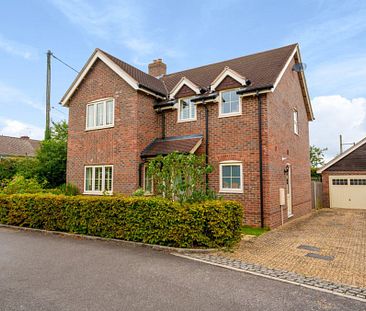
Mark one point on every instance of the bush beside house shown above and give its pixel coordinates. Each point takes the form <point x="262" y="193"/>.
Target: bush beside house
<point x="214" y="223"/>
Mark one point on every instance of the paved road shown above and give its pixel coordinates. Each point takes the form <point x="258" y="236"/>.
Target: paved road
<point x="44" y="272"/>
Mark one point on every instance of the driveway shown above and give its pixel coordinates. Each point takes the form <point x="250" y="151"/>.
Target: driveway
<point x="336" y="237"/>
<point x="47" y="272"/>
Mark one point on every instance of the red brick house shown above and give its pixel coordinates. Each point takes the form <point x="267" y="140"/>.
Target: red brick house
<point x="249" y="115"/>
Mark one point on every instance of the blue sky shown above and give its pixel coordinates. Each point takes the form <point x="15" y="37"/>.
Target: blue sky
<point x="332" y="37"/>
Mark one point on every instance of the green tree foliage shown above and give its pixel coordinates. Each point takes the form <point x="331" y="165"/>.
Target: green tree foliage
<point x="27" y="167"/>
<point x="317" y="156"/>
<point x="180" y="177"/>
<point x="52" y="156"/>
<point x="316" y="160"/>
<point x="7" y="168"/>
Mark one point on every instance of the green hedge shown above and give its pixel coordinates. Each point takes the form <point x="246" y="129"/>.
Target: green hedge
<point x="150" y="220"/>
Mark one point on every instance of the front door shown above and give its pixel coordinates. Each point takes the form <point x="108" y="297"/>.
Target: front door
<point x="288" y="190"/>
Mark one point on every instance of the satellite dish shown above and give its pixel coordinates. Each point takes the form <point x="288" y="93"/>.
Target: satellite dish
<point x="299" y="67"/>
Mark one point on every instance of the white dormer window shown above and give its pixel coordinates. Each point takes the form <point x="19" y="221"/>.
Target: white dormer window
<point x="229" y="104"/>
<point x="186" y="110"/>
<point x="296" y="122"/>
<point x="100" y="114"/>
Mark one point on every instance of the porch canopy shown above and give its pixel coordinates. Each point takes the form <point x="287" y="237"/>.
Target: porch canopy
<point x="164" y="146"/>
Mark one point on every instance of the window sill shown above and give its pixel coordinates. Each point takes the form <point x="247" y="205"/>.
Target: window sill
<point x="97" y="193"/>
<point x="230" y="115"/>
<point x="232" y="191"/>
<point x="187" y="120"/>
<point x="291" y="215"/>
<point x="98" y="128"/>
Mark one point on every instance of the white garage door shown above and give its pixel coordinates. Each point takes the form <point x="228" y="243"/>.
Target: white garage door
<point x="347" y="191"/>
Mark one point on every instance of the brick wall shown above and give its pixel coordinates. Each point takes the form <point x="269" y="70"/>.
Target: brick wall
<point x="135" y="126"/>
<point x="285" y="147"/>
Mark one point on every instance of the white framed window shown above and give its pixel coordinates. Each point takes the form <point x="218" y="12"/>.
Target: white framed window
<point x="187" y="110"/>
<point x="100" y="114"/>
<point x="231" y="177"/>
<point x="230" y="104"/>
<point x="148" y="182"/>
<point x="98" y="179"/>
<point x="296" y="122"/>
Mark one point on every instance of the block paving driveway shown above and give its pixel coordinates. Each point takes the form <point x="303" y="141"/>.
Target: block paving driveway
<point x="329" y="244"/>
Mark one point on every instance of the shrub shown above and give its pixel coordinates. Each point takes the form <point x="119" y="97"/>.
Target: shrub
<point x="7" y="168"/>
<point x="149" y="220"/>
<point x="19" y="184"/>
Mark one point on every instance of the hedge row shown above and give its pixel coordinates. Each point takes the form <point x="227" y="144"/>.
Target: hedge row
<point x="148" y="220"/>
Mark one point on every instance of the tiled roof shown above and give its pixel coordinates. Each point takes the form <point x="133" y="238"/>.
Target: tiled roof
<point x="182" y="144"/>
<point x="261" y="69"/>
<point x="14" y="146"/>
<point x="141" y="77"/>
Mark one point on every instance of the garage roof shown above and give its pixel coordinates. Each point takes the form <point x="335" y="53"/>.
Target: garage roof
<point x="342" y="155"/>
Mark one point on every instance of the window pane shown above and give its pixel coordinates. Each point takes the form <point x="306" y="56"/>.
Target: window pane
<point x="110" y="112"/>
<point x="100" y="114"/>
<point x="193" y="109"/>
<point x="226" y="171"/>
<point x="108" y="178"/>
<point x="98" y="178"/>
<point x="235" y="183"/>
<point x="90" y="116"/>
<point x="187" y="109"/>
<point x="226" y="183"/>
<point x="88" y="179"/>
<point x="236" y="170"/>
<point x="225" y="96"/>
<point x="148" y="182"/>
<point x="235" y="106"/>
<point x="225" y="107"/>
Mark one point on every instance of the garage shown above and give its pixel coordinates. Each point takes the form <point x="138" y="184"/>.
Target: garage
<point x="344" y="179"/>
<point x="347" y="191"/>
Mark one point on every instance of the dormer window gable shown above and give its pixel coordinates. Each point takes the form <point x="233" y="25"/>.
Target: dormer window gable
<point x="227" y="72"/>
<point x="184" y="82"/>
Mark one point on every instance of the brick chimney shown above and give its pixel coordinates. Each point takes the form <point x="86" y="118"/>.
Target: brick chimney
<point x="24" y="137"/>
<point x="157" y="68"/>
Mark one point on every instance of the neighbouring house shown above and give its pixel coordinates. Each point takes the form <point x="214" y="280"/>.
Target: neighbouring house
<point x="18" y="146"/>
<point x="344" y="179"/>
<point x="249" y="115"/>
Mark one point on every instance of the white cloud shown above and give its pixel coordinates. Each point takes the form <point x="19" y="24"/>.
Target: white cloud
<point x="16" y="128"/>
<point x="335" y="115"/>
<point x="17" y="49"/>
<point x="13" y="96"/>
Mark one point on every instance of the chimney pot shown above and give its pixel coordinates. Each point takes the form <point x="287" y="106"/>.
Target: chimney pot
<point x="157" y="68"/>
<point x="24" y="137"/>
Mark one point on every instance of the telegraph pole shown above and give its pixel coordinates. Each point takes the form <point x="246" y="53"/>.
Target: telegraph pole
<point x="47" y="134"/>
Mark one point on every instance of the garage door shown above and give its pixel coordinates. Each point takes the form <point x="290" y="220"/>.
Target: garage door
<point x="347" y="191"/>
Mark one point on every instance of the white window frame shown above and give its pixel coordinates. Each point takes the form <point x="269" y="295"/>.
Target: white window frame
<point x="230" y="114"/>
<point x="95" y="103"/>
<point x="231" y="190"/>
<point x="145" y="179"/>
<point x="295" y="117"/>
<point x="93" y="191"/>
<point x="179" y="110"/>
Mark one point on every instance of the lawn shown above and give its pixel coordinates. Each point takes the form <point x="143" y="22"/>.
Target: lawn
<point x="253" y="231"/>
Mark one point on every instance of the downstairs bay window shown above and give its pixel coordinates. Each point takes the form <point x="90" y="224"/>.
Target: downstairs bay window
<point x="98" y="179"/>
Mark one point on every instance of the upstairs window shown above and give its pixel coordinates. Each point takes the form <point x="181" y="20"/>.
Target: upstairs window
<point x="100" y="114"/>
<point x="98" y="179"/>
<point x="296" y="122"/>
<point x="229" y="103"/>
<point x="186" y="110"/>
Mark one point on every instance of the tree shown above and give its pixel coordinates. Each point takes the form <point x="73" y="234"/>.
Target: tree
<point x="52" y="156"/>
<point x="316" y="160"/>
<point x="317" y="156"/>
<point x="180" y="177"/>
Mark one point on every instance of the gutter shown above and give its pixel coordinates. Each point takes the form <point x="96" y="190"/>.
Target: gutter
<point x="255" y="90"/>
